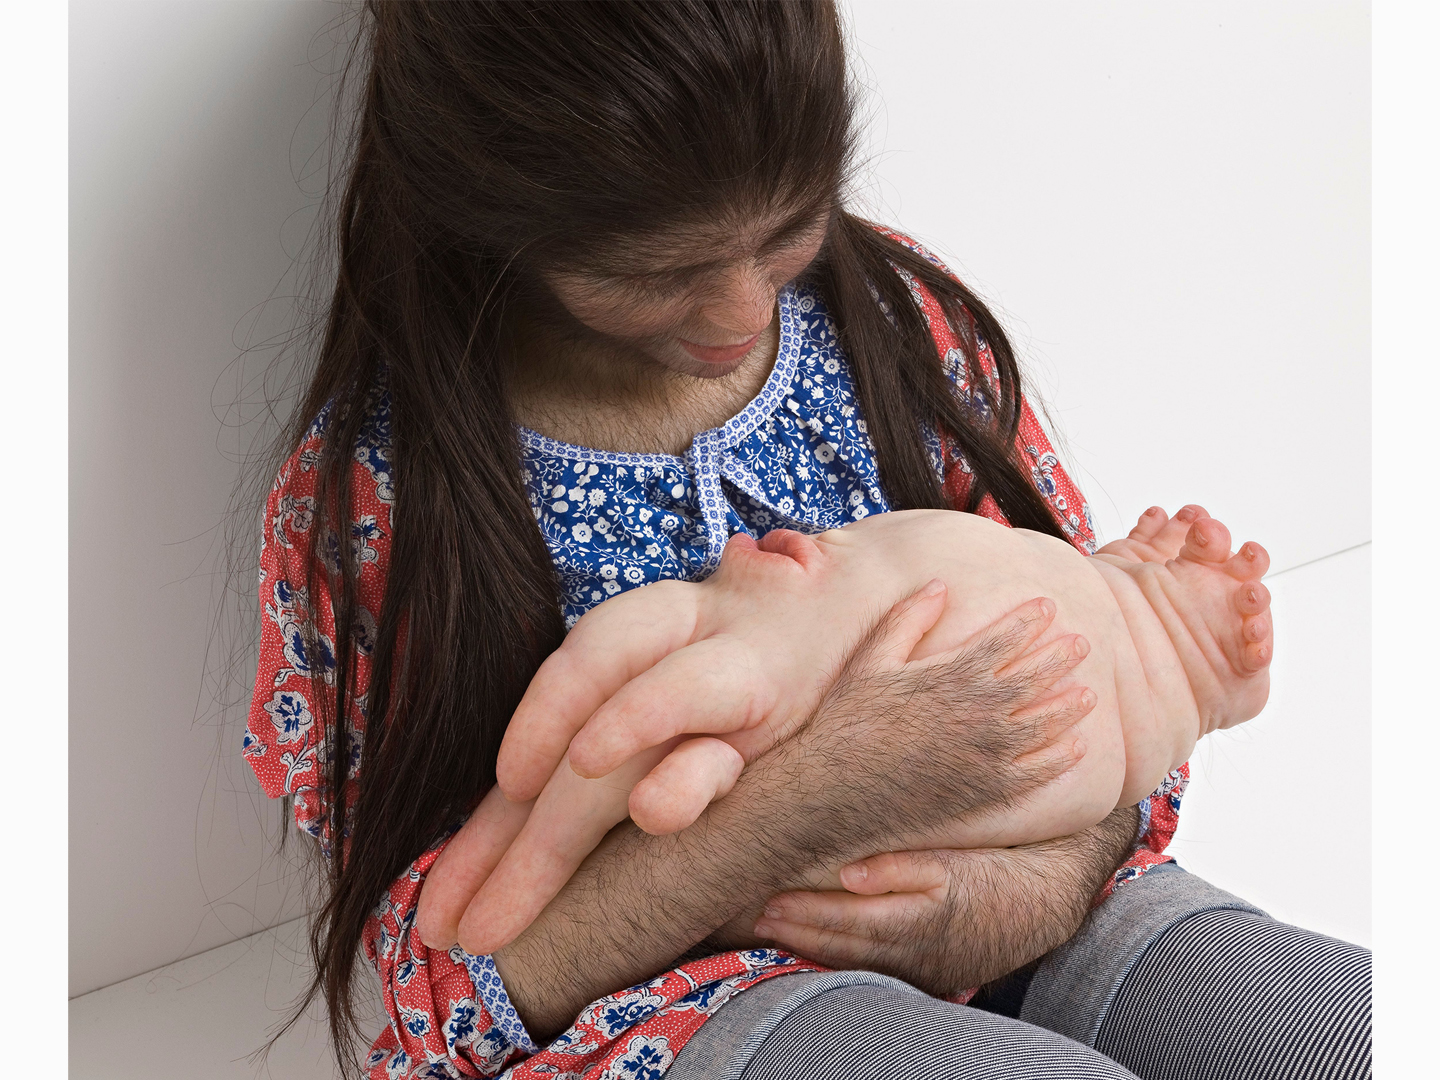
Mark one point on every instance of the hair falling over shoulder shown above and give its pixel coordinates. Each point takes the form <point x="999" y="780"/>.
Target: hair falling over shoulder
<point x="492" y="138"/>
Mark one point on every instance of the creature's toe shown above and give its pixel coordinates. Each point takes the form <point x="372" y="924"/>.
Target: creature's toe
<point x="1252" y="598"/>
<point x="1256" y="655"/>
<point x="1255" y="628"/>
<point x="1171" y="536"/>
<point x="1207" y="541"/>
<point x="1249" y="563"/>
<point x="1150" y="523"/>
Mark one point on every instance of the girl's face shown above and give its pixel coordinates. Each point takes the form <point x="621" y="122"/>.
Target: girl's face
<point x="698" y="300"/>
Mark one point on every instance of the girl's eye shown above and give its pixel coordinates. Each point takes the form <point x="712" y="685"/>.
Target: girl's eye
<point x="668" y="284"/>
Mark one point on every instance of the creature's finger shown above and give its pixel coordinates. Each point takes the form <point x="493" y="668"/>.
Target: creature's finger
<point x="713" y="686"/>
<point x="1054" y="759"/>
<point x="1207" y="541"/>
<point x="677" y="791"/>
<point x="611" y="645"/>
<point x="465" y="864"/>
<point x="569" y="819"/>
<point x="1252" y="598"/>
<point x="1250" y="563"/>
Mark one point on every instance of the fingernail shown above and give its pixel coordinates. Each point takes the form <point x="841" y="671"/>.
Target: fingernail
<point x="1088" y="699"/>
<point x="762" y="929"/>
<point x="1082" y="647"/>
<point x="1047" y="606"/>
<point x="933" y="586"/>
<point x="773" y="912"/>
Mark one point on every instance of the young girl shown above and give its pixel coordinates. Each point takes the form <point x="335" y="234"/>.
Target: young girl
<point x="598" y="308"/>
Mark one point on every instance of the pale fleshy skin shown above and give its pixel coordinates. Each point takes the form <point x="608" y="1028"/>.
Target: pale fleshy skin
<point x="1178" y="636"/>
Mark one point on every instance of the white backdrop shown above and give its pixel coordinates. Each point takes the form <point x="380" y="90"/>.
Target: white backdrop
<point x="1167" y="204"/>
<point x="189" y="124"/>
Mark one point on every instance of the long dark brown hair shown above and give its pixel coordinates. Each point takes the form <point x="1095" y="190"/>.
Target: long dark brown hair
<point x="493" y="139"/>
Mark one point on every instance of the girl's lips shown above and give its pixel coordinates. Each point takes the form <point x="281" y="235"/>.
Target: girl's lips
<point x="719" y="354"/>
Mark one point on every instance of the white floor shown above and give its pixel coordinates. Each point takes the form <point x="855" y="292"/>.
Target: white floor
<point x="1279" y="808"/>
<point x="203" y="1018"/>
<point x="1278" y="812"/>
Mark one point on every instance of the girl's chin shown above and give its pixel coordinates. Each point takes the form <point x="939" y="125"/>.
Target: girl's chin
<point x="677" y="359"/>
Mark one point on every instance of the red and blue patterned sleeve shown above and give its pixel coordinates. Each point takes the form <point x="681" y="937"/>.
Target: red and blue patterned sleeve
<point x="1160" y="811"/>
<point x="449" y="1014"/>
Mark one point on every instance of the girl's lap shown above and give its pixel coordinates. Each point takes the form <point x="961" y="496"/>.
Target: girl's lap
<point x="1168" y="974"/>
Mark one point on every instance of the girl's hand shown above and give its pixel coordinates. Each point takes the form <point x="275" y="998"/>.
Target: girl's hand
<point x="573" y="814"/>
<point x="948" y="921"/>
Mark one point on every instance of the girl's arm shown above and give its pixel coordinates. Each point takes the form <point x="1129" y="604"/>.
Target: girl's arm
<point x="859" y="776"/>
<point x="442" y="1005"/>
<point x="949" y="921"/>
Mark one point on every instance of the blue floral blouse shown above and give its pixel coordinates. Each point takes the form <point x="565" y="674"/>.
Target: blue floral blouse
<point x="797" y="457"/>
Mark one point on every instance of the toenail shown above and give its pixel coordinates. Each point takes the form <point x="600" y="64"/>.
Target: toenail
<point x="1152" y="511"/>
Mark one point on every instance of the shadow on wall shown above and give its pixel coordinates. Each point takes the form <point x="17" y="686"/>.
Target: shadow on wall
<point x="198" y="149"/>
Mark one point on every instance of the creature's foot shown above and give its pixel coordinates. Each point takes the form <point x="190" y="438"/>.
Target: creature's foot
<point x="1156" y="538"/>
<point x="1216" y="612"/>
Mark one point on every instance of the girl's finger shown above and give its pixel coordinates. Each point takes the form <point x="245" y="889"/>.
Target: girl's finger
<point x="677" y="791"/>
<point x="822" y="946"/>
<point x="896" y="872"/>
<point x="846" y="913"/>
<point x="462" y="868"/>
<point x="1031" y="675"/>
<point x="1046" y="720"/>
<point x="1052" y="760"/>
<point x="1004" y="641"/>
<point x="611" y="645"/>
<point x="893" y="638"/>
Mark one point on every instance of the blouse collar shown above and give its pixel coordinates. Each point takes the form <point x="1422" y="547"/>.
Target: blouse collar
<point x="725" y="437"/>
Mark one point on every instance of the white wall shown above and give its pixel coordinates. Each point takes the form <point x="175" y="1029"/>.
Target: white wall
<point x="1167" y="203"/>
<point x="188" y="125"/>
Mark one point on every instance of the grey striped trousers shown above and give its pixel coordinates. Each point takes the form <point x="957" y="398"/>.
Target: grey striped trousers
<point x="1170" y="979"/>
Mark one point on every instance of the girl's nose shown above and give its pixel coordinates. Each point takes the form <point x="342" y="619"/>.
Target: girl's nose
<point x="743" y="303"/>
